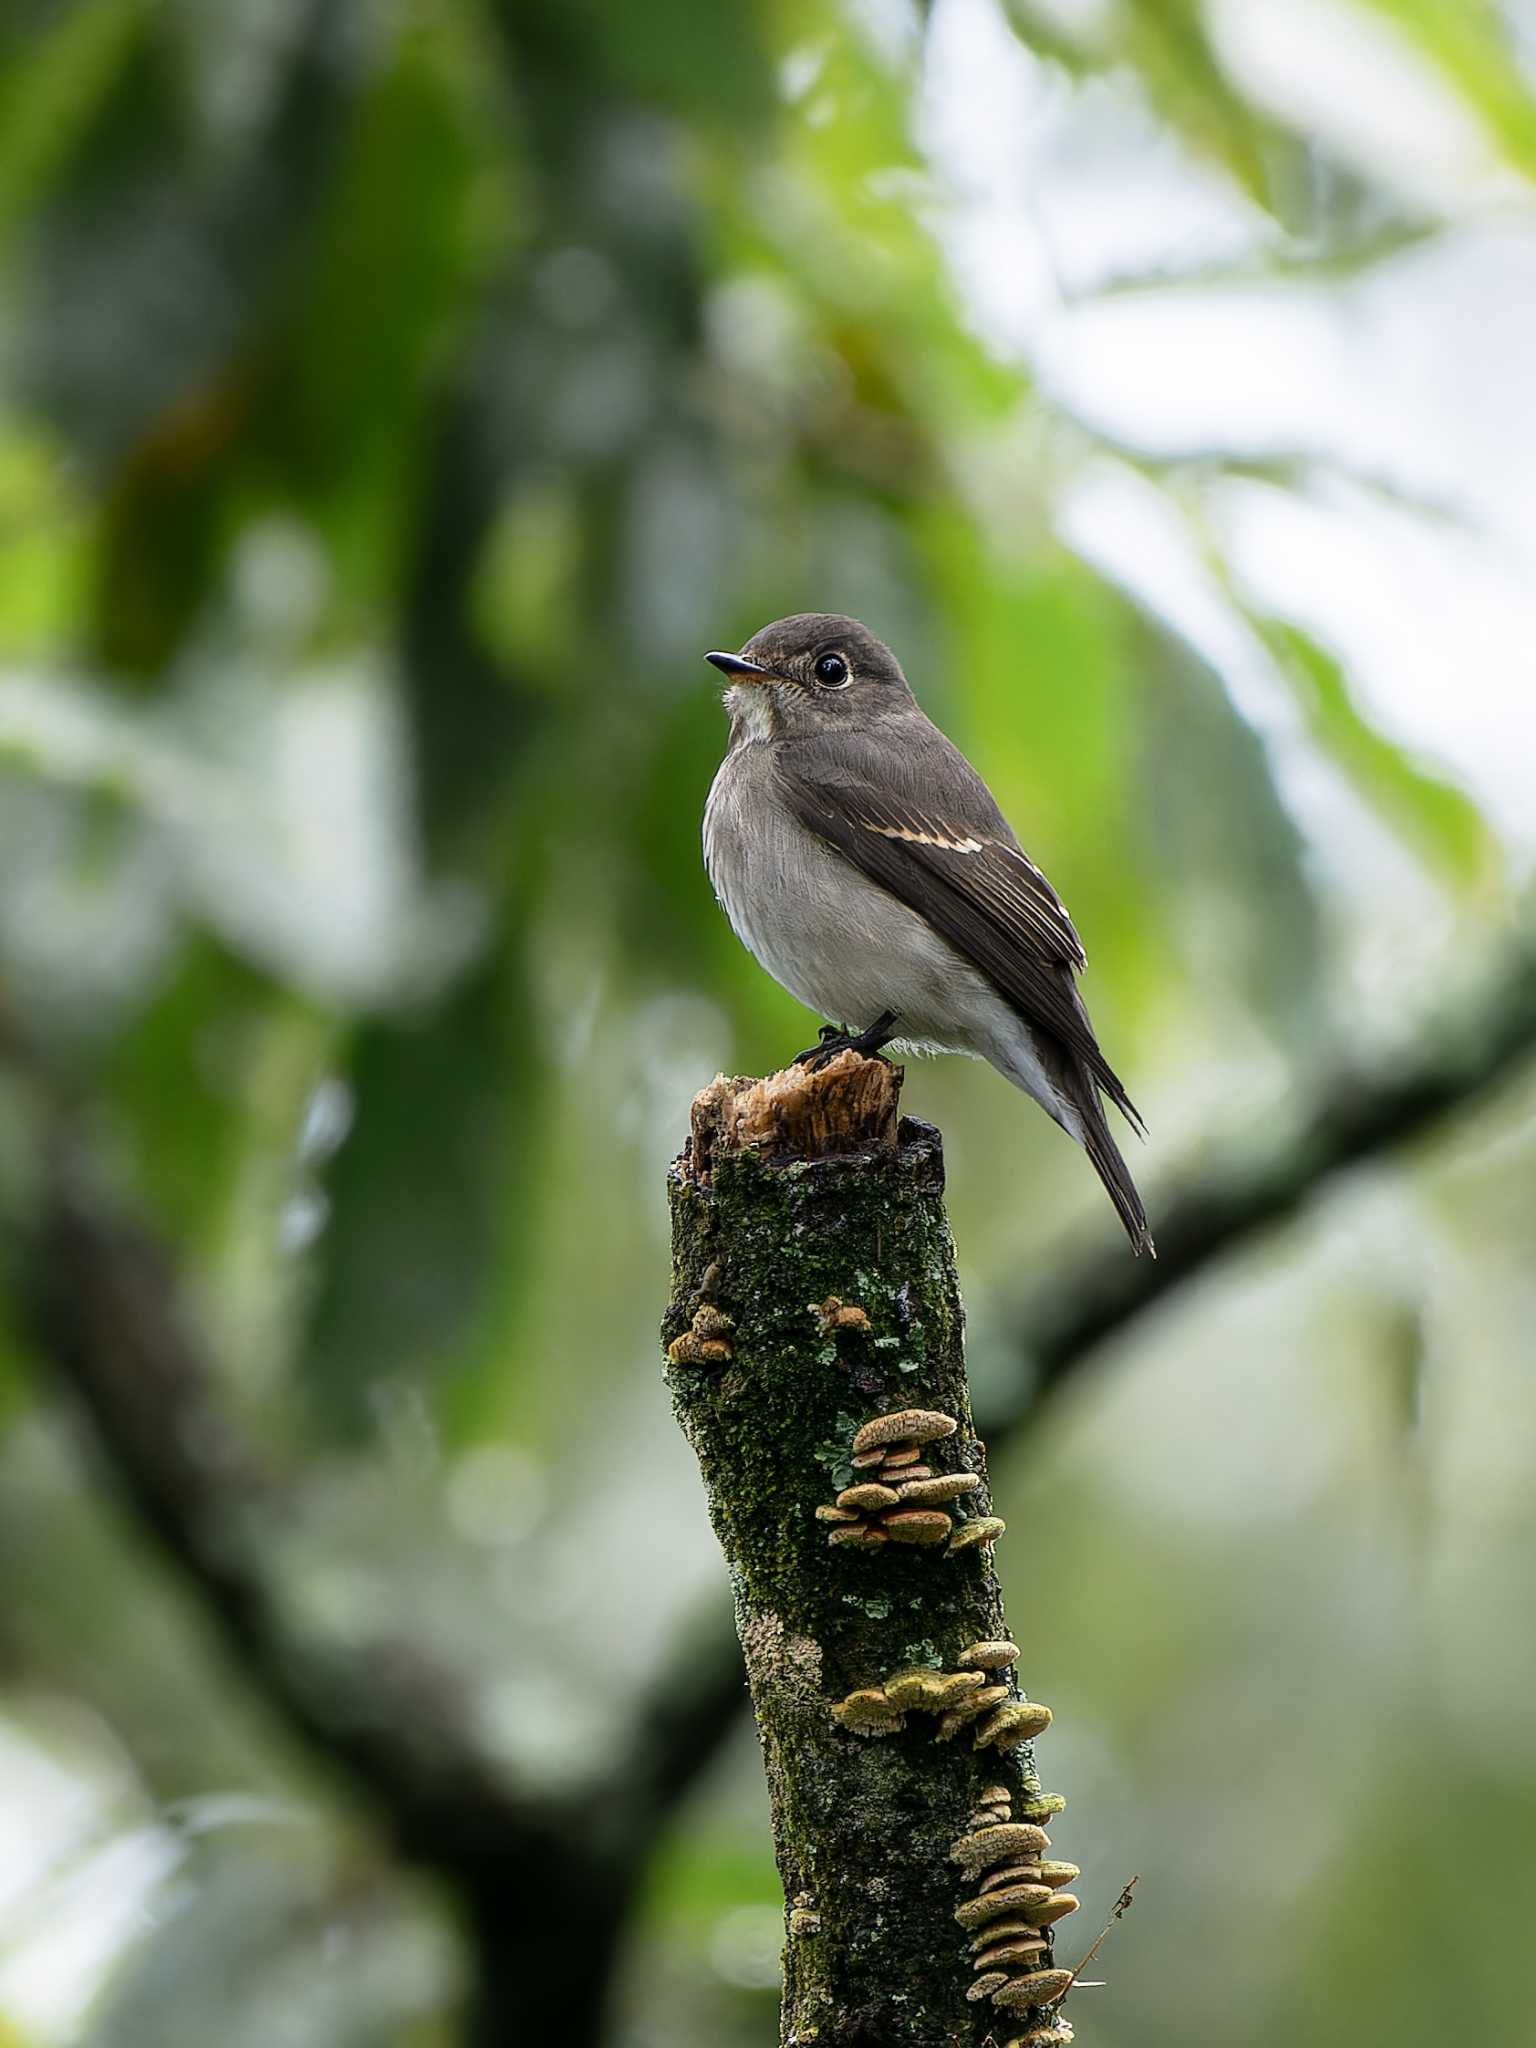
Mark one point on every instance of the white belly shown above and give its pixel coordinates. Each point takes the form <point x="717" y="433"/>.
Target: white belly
<point x="838" y="942"/>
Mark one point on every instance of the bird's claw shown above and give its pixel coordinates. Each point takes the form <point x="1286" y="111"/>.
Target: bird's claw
<point x="827" y="1047"/>
<point x="832" y="1041"/>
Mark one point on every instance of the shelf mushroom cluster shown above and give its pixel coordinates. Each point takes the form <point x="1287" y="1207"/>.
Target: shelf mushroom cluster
<point x="897" y="1496"/>
<point x="972" y="1697"/>
<point x="1019" y="1895"/>
<point x="706" y="1341"/>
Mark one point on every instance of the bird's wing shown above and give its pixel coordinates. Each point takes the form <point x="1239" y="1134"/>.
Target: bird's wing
<point x="933" y="836"/>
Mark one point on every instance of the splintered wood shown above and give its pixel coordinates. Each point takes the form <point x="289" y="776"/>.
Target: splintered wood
<point x="848" y="1107"/>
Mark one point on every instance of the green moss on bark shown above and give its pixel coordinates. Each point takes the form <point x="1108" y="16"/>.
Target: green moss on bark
<point x="862" y="1825"/>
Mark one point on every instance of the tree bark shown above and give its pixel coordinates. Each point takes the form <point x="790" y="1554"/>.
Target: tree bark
<point x="815" y="1312"/>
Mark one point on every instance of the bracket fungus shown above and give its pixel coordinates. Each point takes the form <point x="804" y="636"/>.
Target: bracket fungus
<point x="983" y="1987"/>
<point x="1018" y="1897"/>
<point x="1021" y="1721"/>
<point x="1042" y="1806"/>
<point x="959" y="1699"/>
<point x="899" y="1494"/>
<point x="1022" y="1944"/>
<point x="1007" y="1933"/>
<point x="917" y="1525"/>
<point x="943" y="1486"/>
<point x="1002" y="1844"/>
<point x="1011" y="1874"/>
<point x="903" y="1426"/>
<point x="867" y="1496"/>
<point x="990" y="1656"/>
<point x="869" y="1712"/>
<point x="1038" y="1987"/>
<point x="834" y="1314"/>
<point x="932" y="1692"/>
<point x="971" y="1709"/>
<point x="706" y="1340"/>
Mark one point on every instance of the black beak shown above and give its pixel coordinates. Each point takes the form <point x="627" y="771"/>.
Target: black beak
<point x="738" y="665"/>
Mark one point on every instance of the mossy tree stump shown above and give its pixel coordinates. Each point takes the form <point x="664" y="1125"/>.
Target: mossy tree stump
<point x="814" y="1290"/>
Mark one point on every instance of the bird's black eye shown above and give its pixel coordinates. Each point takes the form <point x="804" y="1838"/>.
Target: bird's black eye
<point x="831" y="669"/>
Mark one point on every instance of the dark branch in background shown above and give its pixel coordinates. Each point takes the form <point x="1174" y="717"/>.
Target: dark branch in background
<point x="1462" y="1054"/>
<point x="682" y="1721"/>
<point x="105" y="1311"/>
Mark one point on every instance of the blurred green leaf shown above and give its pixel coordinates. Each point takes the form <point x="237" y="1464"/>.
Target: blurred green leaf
<point x="44" y="545"/>
<point x="415" y="204"/>
<point x="53" y="75"/>
<point x="1164" y="46"/>
<point x="1229" y="853"/>
<point x="1471" y="45"/>
<point x="428" y="1197"/>
<point x="1435" y="816"/>
<point x="705" y="63"/>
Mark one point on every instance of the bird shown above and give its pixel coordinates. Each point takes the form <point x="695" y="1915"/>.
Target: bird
<point x="863" y="861"/>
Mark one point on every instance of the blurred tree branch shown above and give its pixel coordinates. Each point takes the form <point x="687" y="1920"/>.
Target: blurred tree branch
<point x="105" y="1309"/>
<point x="1355" y="1115"/>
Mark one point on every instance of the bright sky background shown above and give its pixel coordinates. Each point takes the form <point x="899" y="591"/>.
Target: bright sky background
<point x="1416" y="378"/>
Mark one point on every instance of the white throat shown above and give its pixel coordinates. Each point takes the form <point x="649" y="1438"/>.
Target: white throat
<point x="751" y="711"/>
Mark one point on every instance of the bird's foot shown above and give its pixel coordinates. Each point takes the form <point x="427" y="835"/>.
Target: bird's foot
<point x="829" y="1042"/>
<point x="832" y="1042"/>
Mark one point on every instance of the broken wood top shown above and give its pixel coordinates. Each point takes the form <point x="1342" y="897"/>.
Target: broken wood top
<point x="847" y="1107"/>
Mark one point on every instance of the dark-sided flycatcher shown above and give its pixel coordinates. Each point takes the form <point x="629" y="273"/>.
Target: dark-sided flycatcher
<point x="863" y="860"/>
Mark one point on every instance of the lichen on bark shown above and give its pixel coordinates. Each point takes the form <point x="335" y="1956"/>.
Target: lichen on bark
<point x="770" y="1387"/>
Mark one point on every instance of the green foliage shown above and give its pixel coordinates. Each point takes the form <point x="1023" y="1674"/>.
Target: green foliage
<point x="1472" y="46"/>
<point x="1434" y="815"/>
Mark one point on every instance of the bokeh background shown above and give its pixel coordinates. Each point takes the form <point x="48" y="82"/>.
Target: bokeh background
<point x="398" y="398"/>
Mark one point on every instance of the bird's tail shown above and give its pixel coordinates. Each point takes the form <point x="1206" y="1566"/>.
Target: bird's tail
<point x="1110" y="1167"/>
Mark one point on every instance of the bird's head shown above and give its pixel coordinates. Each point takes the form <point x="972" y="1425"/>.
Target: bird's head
<point x="811" y="673"/>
